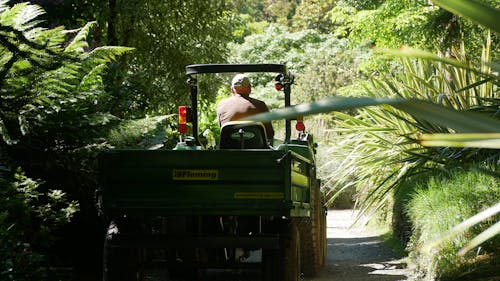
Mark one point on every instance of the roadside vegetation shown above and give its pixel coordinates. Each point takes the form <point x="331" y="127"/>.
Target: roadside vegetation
<point x="440" y="202"/>
<point x="66" y="94"/>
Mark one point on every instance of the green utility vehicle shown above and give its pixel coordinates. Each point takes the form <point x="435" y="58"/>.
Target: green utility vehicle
<point x="185" y="212"/>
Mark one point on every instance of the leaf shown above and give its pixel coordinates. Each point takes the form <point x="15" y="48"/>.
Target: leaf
<point x="420" y="54"/>
<point x="23" y="125"/>
<point x="472" y="9"/>
<point x="461" y="140"/>
<point x="7" y="17"/>
<point x="481" y="238"/>
<point x="25" y="18"/>
<point x="321" y="106"/>
<point x="93" y="79"/>
<point x="3" y="5"/>
<point x="79" y="43"/>
<point x="108" y="53"/>
<point x="5" y="134"/>
<point x="99" y="119"/>
<point x="460" y="121"/>
<point x="468" y="223"/>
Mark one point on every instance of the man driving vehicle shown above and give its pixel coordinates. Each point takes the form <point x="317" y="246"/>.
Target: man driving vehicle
<point x="241" y="105"/>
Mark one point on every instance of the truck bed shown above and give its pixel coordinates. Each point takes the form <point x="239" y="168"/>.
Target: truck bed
<point x="212" y="182"/>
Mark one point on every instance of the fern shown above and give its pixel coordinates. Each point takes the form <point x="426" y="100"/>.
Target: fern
<point x="107" y="53"/>
<point x="41" y="80"/>
<point x="79" y="43"/>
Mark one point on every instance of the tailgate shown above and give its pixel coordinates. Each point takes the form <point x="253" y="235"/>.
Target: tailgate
<point x="212" y="182"/>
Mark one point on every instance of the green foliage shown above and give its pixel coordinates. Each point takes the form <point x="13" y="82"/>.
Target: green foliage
<point x="479" y="12"/>
<point x="54" y="116"/>
<point x="167" y="36"/>
<point x="313" y="14"/>
<point x="171" y="36"/>
<point x="46" y="87"/>
<point x="54" y="107"/>
<point x="276" y="45"/>
<point x="148" y="132"/>
<point x="281" y="10"/>
<point x="252" y="8"/>
<point x="412" y="23"/>
<point x="399" y="23"/>
<point x="245" y="25"/>
<point x="391" y="134"/>
<point x="28" y="220"/>
<point x="437" y="205"/>
<point x="322" y="64"/>
<point x="71" y="13"/>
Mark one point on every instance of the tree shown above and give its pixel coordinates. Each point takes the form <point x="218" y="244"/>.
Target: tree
<point x="313" y="14"/>
<point x="171" y="36"/>
<point x="167" y="36"/>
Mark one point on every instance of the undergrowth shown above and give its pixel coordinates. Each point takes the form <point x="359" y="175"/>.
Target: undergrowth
<point x="441" y="203"/>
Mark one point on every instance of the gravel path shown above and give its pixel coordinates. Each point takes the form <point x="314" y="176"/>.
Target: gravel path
<point x="356" y="253"/>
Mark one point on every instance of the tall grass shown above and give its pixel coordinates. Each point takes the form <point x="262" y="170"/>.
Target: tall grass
<point x="437" y="205"/>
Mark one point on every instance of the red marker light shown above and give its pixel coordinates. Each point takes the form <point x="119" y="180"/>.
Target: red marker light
<point x="300" y="123"/>
<point x="278" y="86"/>
<point x="183" y="119"/>
<point x="183" y="128"/>
<point x="300" y="126"/>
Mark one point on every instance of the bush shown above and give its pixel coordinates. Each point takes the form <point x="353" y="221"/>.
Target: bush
<point x="28" y="220"/>
<point x="441" y="203"/>
<point x="54" y="117"/>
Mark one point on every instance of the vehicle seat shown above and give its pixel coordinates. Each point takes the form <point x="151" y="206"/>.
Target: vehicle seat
<point x="243" y="135"/>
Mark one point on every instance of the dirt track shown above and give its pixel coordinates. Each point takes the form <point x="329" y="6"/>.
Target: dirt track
<point x="356" y="253"/>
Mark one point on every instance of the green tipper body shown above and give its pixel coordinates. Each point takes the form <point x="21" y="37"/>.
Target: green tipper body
<point x="205" y="182"/>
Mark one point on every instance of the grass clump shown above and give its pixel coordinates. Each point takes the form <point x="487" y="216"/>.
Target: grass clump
<point x="438" y="205"/>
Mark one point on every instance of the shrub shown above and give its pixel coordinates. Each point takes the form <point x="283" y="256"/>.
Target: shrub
<point x="28" y="220"/>
<point x="439" y="204"/>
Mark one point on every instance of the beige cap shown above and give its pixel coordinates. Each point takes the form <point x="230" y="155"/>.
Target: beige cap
<point x="240" y="80"/>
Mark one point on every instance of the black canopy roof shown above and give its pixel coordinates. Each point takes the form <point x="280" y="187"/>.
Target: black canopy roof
<point x="220" y="68"/>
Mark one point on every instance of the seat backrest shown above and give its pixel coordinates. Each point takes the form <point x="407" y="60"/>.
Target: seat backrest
<point x="243" y="135"/>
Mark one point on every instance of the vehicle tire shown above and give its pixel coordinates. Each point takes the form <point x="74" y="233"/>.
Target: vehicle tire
<point x="313" y="235"/>
<point x="119" y="263"/>
<point x="323" y="231"/>
<point x="284" y="264"/>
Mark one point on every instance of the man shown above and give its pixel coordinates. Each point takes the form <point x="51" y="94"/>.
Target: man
<point x="241" y="105"/>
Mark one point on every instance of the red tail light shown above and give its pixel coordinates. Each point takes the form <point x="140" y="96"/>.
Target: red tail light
<point x="278" y="86"/>
<point x="183" y="117"/>
<point x="278" y="82"/>
<point x="299" y="126"/>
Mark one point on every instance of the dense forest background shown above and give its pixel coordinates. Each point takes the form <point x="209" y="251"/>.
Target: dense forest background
<point x="79" y="76"/>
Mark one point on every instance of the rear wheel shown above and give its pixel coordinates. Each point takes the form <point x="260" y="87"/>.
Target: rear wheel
<point x="313" y="235"/>
<point x="284" y="264"/>
<point x="119" y="263"/>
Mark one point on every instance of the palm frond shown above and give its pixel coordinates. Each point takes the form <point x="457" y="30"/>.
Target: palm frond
<point x="459" y="121"/>
<point x="491" y="140"/>
<point x="477" y="11"/>
<point x="468" y="223"/>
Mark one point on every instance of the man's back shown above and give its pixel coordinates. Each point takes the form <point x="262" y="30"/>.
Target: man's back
<point x="240" y="106"/>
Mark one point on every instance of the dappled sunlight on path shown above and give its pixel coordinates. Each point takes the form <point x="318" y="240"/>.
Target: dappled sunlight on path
<point x="357" y="253"/>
